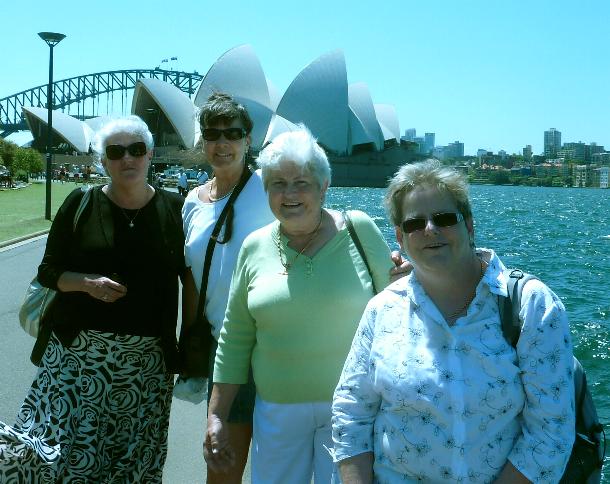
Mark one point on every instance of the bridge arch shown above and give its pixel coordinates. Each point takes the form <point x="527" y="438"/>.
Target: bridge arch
<point x="89" y="87"/>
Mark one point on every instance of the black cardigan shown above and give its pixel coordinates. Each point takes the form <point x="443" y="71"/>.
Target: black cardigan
<point x="147" y="258"/>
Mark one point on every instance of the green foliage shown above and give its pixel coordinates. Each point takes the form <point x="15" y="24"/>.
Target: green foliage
<point x="26" y="161"/>
<point x="35" y="161"/>
<point x="7" y="153"/>
<point x="499" y="177"/>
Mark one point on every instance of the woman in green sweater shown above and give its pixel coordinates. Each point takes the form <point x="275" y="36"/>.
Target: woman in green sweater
<point x="297" y="294"/>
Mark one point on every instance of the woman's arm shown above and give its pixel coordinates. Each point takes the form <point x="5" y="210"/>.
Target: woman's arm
<point x="545" y="358"/>
<point x="96" y="285"/>
<point x="357" y="469"/>
<point x="217" y="449"/>
<point x="56" y="258"/>
<point x="510" y="475"/>
<point x="190" y="299"/>
<point x="356" y="402"/>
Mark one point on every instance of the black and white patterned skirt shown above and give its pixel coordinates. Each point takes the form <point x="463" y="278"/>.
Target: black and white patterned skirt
<point x="97" y="411"/>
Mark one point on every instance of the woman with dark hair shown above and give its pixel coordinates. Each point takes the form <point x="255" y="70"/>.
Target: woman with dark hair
<point x="98" y="410"/>
<point x="225" y="131"/>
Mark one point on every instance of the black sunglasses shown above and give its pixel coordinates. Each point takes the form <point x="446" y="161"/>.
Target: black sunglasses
<point x="230" y="134"/>
<point x="116" y="152"/>
<point x="444" y="219"/>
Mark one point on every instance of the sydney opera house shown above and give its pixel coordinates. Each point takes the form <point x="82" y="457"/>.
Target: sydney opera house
<point x="362" y="138"/>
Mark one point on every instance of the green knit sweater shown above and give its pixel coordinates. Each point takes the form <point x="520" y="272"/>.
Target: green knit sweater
<point x="296" y="329"/>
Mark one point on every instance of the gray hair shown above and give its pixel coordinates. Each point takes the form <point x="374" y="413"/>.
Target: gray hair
<point x="427" y="173"/>
<point x="130" y="125"/>
<point x="298" y="147"/>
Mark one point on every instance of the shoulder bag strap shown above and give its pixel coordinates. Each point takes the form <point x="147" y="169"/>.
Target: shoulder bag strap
<point x="509" y="311"/>
<point x="246" y="174"/>
<point x="354" y="235"/>
<point x="81" y="206"/>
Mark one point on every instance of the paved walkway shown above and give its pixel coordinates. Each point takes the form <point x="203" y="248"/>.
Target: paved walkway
<point x="18" y="265"/>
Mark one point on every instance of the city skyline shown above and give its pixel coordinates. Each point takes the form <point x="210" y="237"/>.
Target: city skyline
<point x="493" y="76"/>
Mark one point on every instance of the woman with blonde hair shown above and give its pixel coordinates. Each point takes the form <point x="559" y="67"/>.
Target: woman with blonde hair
<point x="431" y="390"/>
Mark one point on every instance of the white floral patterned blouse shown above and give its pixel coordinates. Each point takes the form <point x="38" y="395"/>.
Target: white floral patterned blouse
<point x="440" y="403"/>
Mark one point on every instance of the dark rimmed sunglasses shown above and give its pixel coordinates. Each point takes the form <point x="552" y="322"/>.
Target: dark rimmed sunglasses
<point x="116" y="152"/>
<point x="230" y="134"/>
<point x="443" y="219"/>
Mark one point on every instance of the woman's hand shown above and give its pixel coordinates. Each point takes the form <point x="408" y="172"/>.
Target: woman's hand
<point x="103" y="288"/>
<point x="217" y="450"/>
<point x="402" y="267"/>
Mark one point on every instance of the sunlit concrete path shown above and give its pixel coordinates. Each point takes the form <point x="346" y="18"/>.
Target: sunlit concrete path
<point x="18" y="265"/>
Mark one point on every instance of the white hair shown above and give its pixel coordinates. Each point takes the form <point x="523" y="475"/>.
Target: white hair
<point x="298" y="147"/>
<point x="131" y="125"/>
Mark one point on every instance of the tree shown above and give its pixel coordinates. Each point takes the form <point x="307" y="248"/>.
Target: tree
<point x="20" y="166"/>
<point x="7" y="153"/>
<point x="499" y="177"/>
<point x="26" y="161"/>
<point x="35" y="161"/>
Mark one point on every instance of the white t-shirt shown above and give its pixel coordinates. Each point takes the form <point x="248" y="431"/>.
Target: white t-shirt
<point x="251" y="212"/>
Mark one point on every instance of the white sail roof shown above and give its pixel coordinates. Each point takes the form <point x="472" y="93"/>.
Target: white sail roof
<point x="74" y="132"/>
<point x="318" y="98"/>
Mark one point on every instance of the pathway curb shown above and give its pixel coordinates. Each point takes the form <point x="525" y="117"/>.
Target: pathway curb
<point x="16" y="240"/>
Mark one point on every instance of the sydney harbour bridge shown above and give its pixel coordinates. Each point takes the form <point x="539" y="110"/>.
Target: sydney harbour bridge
<point x="89" y="95"/>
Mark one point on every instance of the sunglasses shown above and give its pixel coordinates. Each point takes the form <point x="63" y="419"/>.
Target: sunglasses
<point x="116" y="152"/>
<point x="230" y="134"/>
<point x="444" y="219"/>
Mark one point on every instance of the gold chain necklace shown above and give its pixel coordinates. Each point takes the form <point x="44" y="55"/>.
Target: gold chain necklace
<point x="282" y="253"/>
<point x="453" y="317"/>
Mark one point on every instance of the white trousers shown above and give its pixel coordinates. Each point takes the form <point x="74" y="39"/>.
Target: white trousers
<point x="290" y="442"/>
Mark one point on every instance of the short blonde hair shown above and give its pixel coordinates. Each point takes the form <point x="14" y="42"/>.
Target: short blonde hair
<point x="426" y="173"/>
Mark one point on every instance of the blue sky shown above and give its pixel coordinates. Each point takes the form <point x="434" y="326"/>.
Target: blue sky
<point x="492" y="74"/>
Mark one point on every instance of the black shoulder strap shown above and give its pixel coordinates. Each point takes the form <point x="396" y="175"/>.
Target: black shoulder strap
<point x="354" y="235"/>
<point x="245" y="176"/>
<point x="510" y="306"/>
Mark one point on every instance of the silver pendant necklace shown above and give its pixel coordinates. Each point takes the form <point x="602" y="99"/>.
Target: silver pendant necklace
<point x="130" y="220"/>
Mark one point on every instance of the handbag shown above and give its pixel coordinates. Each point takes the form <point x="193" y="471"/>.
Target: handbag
<point x="195" y="340"/>
<point x="38" y="299"/>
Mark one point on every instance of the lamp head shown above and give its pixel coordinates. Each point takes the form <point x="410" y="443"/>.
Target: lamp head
<point x="51" y="38"/>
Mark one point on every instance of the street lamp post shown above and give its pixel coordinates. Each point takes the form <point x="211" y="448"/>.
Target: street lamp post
<point x="52" y="39"/>
<point x="152" y="112"/>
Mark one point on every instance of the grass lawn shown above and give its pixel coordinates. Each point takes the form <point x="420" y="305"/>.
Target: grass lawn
<point x="22" y="211"/>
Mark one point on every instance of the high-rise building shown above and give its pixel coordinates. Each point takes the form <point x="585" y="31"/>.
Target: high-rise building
<point x="410" y="134"/>
<point x="527" y="152"/>
<point x="552" y="142"/>
<point x="593" y="149"/>
<point x="573" y="151"/>
<point x="456" y="149"/>
<point x="420" y="144"/>
<point x="428" y="143"/>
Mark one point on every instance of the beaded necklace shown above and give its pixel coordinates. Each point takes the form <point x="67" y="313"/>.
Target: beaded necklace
<point x="282" y="253"/>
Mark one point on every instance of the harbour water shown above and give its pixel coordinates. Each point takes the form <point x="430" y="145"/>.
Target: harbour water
<point x="562" y="235"/>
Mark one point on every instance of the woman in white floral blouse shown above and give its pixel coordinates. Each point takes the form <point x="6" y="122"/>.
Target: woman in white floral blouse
<point x="431" y="390"/>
